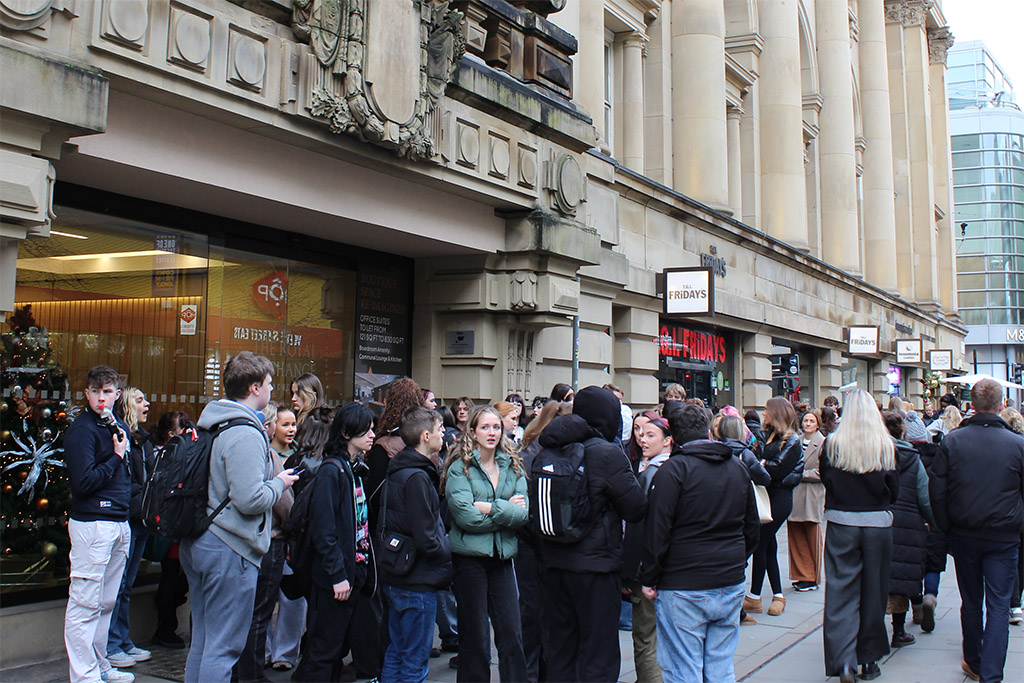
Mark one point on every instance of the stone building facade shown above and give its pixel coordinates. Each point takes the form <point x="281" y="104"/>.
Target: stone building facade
<point x="484" y="193"/>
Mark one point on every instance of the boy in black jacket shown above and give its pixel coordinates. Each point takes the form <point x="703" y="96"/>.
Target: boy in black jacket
<point x="95" y="449"/>
<point x="702" y="525"/>
<point x="410" y="506"/>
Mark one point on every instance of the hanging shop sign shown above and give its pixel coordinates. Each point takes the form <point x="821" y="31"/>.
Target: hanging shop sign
<point x="863" y="341"/>
<point x="188" y="319"/>
<point x="908" y="351"/>
<point x="940" y="359"/>
<point x="688" y="344"/>
<point x="689" y="291"/>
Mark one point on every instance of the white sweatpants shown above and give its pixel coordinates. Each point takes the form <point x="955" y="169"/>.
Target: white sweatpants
<point x="99" y="552"/>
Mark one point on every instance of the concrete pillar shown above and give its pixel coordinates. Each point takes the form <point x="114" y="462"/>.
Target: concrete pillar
<point x="750" y="157"/>
<point x="900" y="120"/>
<point x="589" y="89"/>
<point x="658" y="100"/>
<point x="879" y="210"/>
<point x="829" y="376"/>
<point x="837" y="172"/>
<point x="783" y="195"/>
<point x="635" y="355"/>
<point x="633" y="101"/>
<point x="939" y="42"/>
<point x="698" y="102"/>
<point x="734" y="116"/>
<point x="756" y="371"/>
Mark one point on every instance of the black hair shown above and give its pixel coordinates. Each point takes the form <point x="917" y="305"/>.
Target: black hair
<point x="351" y="420"/>
<point x="688" y="422"/>
<point x="560" y="391"/>
<point x="447" y="416"/>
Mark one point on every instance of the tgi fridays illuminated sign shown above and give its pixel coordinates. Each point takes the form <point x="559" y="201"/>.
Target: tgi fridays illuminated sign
<point x="863" y="341"/>
<point x="684" y="343"/>
<point x="689" y="291"/>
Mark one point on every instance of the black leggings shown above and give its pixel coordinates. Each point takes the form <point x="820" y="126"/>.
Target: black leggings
<point x="766" y="556"/>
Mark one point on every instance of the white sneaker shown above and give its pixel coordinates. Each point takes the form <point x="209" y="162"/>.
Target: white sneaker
<point x="139" y="655"/>
<point x="1016" y="615"/>
<point x="121" y="660"/>
<point x="117" y="676"/>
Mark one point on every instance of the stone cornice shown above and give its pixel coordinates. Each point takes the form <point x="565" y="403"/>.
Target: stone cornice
<point x="908" y="12"/>
<point x="735" y="72"/>
<point x="747" y="42"/>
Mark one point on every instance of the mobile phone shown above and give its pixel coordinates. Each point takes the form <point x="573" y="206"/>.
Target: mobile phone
<point x="298" y="471"/>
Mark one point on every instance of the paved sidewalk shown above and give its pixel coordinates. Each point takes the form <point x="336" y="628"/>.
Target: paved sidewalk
<point x="786" y="648"/>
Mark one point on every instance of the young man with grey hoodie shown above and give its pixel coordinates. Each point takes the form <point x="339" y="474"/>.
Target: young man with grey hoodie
<point x="222" y="565"/>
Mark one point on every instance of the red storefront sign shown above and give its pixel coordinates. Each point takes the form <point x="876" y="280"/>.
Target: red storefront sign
<point x="682" y="342"/>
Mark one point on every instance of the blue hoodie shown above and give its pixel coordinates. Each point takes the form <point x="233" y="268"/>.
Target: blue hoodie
<point x="101" y="487"/>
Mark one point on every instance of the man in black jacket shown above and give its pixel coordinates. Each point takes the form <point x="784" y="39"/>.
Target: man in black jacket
<point x="702" y="525"/>
<point x="976" y="486"/>
<point x="582" y="588"/>
<point x="100" y="478"/>
<point x="411" y="507"/>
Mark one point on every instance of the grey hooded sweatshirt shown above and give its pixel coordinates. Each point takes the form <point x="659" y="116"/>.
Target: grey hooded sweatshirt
<point x="241" y="469"/>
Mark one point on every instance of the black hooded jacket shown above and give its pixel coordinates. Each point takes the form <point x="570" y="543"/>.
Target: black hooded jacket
<point x="615" y="493"/>
<point x="414" y="509"/>
<point x="977" y="480"/>
<point x="702" y="522"/>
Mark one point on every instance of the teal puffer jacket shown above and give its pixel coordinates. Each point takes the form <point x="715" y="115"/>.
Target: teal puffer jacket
<point x="474" y="533"/>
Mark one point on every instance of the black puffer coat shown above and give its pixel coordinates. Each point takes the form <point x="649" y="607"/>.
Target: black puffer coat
<point x="908" y="527"/>
<point x="937" y="552"/>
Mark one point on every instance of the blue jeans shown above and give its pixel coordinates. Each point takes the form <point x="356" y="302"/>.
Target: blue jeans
<point x="411" y="627"/>
<point x="985" y="574"/>
<point x="931" y="583"/>
<point x="698" y="632"/>
<point x="222" y="587"/>
<point x="447" y="623"/>
<point x="118" y="639"/>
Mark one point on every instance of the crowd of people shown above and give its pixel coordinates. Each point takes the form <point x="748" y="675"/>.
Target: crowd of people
<point x="366" y="529"/>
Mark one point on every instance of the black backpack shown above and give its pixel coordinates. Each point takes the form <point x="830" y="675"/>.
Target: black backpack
<point x="299" y="538"/>
<point x="560" y="508"/>
<point x="176" y="495"/>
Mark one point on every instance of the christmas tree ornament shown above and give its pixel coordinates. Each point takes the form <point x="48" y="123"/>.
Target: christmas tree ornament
<point x="38" y="459"/>
<point x="42" y="504"/>
<point x="8" y="488"/>
<point x="47" y="433"/>
<point x="49" y="549"/>
<point x="46" y="413"/>
<point x="8" y="552"/>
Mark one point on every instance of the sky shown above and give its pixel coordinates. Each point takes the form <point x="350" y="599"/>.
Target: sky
<point x="999" y="23"/>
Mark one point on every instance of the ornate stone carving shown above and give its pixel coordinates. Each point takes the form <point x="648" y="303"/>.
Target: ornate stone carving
<point x="939" y="42"/>
<point x="499" y="157"/>
<point x="527" y="167"/>
<point x="189" y="41"/>
<point x="126" y="22"/>
<point x="523" y="290"/>
<point x="894" y="11"/>
<point x="915" y="12"/>
<point x="566" y="184"/>
<point x="247" y="59"/>
<point x="25" y="15"/>
<point x="384" y="79"/>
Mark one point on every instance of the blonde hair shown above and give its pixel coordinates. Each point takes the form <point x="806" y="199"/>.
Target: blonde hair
<point x="861" y="443"/>
<point x="465" y="444"/>
<point x="951" y="418"/>
<point x="549" y="412"/>
<point x="675" y="390"/>
<point x="1014" y="419"/>
<point x="130" y="413"/>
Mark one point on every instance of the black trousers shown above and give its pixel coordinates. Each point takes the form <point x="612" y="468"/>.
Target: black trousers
<point x="582" y="615"/>
<point x="531" y="598"/>
<point x="327" y="623"/>
<point x="486" y="587"/>
<point x="170" y="593"/>
<point x="766" y="556"/>
<point x="268" y="585"/>
<point x="367" y="641"/>
<point x="857" y="563"/>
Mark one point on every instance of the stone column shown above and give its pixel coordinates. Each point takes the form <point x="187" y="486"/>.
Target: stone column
<point x="837" y="172"/>
<point x="899" y="119"/>
<point x="658" y="100"/>
<point x="757" y="371"/>
<point x="635" y="354"/>
<point x="633" y="102"/>
<point x="829" y="375"/>
<point x="589" y="88"/>
<point x="37" y="120"/>
<point x="878" y="204"/>
<point x="783" y="195"/>
<point x="939" y="42"/>
<point x="698" y="102"/>
<point x="734" y="116"/>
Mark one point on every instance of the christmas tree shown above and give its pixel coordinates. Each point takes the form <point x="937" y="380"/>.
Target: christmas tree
<point x="35" y="413"/>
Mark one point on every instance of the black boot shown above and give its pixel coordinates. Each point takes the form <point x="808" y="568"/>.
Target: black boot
<point x="870" y="671"/>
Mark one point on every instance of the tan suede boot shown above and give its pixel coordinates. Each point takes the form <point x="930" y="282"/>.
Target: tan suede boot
<point x="752" y="605"/>
<point x="777" y="607"/>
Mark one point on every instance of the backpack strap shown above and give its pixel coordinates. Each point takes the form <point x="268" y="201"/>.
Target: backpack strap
<point x="217" y="430"/>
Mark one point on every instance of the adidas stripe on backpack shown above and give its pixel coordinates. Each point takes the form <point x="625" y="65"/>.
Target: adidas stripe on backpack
<point x="176" y="495"/>
<point x="560" y="508"/>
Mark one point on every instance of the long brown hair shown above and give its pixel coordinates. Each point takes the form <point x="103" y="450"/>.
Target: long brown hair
<point x="549" y="412"/>
<point x="465" y="444"/>
<point x="311" y="389"/>
<point x="403" y="395"/>
<point x="781" y="416"/>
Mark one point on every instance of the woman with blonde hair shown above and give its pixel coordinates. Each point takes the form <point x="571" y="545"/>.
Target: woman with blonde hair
<point x="783" y="459"/>
<point x="484" y="483"/>
<point x="949" y="420"/>
<point x="858" y="469"/>
<point x="510" y="413"/>
<point x="307" y="394"/>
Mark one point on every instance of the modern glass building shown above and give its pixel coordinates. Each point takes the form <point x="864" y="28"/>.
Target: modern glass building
<point x="987" y="129"/>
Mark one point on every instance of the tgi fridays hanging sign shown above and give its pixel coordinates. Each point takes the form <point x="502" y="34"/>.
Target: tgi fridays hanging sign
<point x="689" y="291"/>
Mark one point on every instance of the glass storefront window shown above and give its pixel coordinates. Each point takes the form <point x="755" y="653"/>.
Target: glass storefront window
<point x="698" y="359"/>
<point x="793" y="371"/>
<point x="167" y="307"/>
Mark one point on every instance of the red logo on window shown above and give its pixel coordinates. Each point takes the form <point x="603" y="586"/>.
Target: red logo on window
<point x="271" y="294"/>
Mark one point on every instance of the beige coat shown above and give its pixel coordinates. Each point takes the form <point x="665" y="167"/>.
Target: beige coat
<point x="809" y="495"/>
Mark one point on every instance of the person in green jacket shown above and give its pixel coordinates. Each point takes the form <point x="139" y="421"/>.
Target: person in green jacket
<point x="485" y="485"/>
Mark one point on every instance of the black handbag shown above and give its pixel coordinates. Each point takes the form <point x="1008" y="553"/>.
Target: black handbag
<point x="397" y="551"/>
